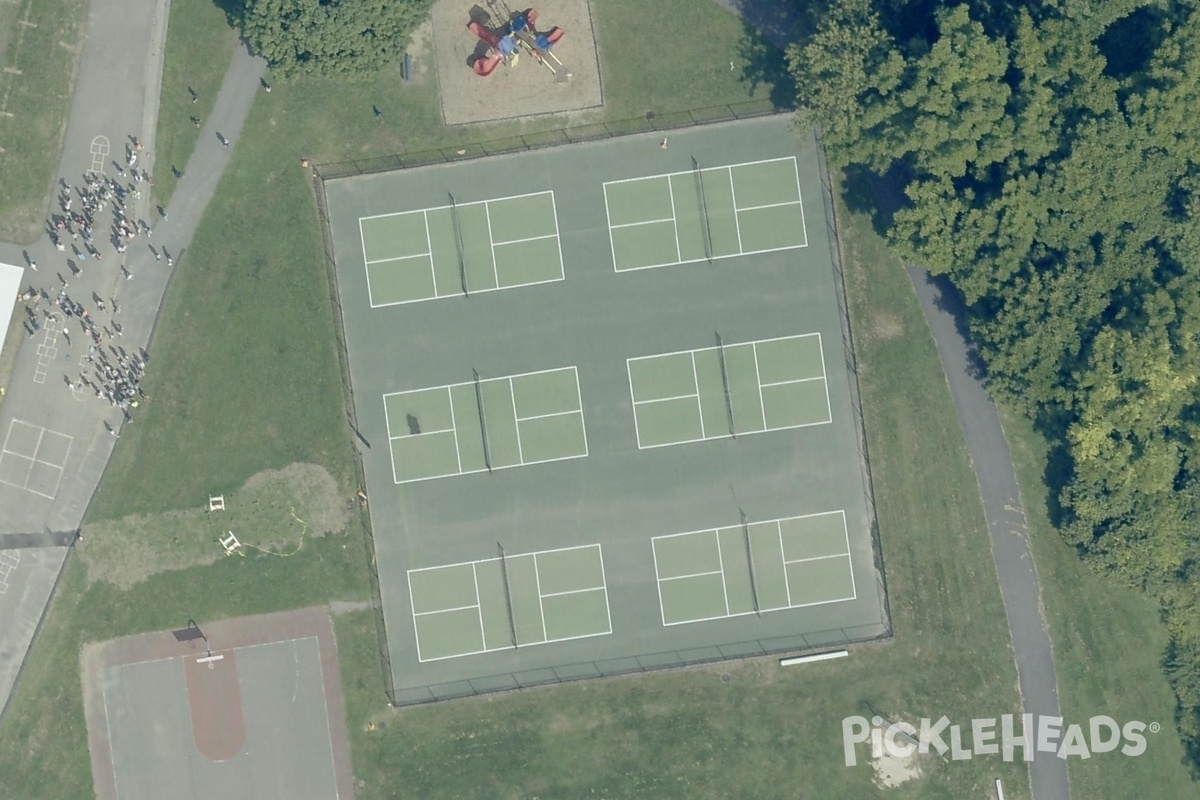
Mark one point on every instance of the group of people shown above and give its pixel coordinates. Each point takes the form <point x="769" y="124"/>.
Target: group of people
<point x="107" y="369"/>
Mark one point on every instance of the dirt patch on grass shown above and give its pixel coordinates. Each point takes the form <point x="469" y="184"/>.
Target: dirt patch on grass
<point x="885" y="326"/>
<point x="273" y="512"/>
<point x="892" y="770"/>
<point x="524" y="90"/>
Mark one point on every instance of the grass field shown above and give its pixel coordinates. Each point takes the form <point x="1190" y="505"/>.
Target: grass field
<point x="244" y="379"/>
<point x="40" y="45"/>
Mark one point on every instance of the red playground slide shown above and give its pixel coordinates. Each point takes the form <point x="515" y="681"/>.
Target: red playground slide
<point x="484" y="34"/>
<point x="486" y="66"/>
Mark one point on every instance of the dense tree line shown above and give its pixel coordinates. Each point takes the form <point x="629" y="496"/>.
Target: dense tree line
<point x="330" y="37"/>
<point x="1050" y="154"/>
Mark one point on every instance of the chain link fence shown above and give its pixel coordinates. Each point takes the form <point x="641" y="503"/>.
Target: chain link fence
<point x="552" y="138"/>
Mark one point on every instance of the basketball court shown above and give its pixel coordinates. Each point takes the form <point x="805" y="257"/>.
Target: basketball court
<point x="242" y="708"/>
<point x="606" y="423"/>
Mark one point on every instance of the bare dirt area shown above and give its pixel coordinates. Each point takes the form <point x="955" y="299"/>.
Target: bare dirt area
<point x="274" y="511"/>
<point x="526" y="89"/>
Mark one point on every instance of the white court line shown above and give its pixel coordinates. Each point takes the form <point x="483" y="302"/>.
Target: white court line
<point x="474" y="566"/>
<point x="459" y="205"/>
<point x="665" y="399"/>
<point x="705" y="169"/>
<point x="824" y="374"/>
<point x="362" y="238"/>
<point x="447" y="610"/>
<point x="786" y="383"/>
<point x="429" y="247"/>
<point x="758" y="379"/>
<point x="544" y="416"/>
<point x="674" y="220"/>
<point x="558" y="240"/>
<point x="479" y="606"/>
<point x="646" y="221"/>
<point x="537" y="577"/>
<point x="516" y="422"/>
<point x="800" y="194"/>
<point x="695" y="378"/>
<point x="733" y="194"/>
<point x="604" y="581"/>
<point x="715" y="258"/>
<point x="721" y="561"/>
<point x="783" y="564"/>
<point x="487" y="212"/>
<point x="454" y="422"/>
<point x="608" y="218"/>
<point x="590" y="589"/>
<point x="769" y="205"/>
<point x="528" y="239"/>
<point x="815" y="558"/>
<point x="400" y="258"/>
<point x="692" y="575"/>
<point x="699" y="405"/>
<point x="418" y="435"/>
<point x="633" y="400"/>
<point x="493" y="245"/>
<point x="325" y="707"/>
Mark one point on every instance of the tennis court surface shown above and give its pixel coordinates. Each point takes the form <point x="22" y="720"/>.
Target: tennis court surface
<point x="644" y="451"/>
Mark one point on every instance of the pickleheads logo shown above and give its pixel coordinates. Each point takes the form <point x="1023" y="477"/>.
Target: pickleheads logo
<point x="984" y="737"/>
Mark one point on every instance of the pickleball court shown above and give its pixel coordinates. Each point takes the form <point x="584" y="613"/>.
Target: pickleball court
<point x="603" y="409"/>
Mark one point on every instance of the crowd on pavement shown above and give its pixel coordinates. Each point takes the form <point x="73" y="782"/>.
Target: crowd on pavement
<point x="100" y="203"/>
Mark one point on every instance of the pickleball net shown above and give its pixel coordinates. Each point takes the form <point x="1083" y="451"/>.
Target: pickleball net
<point x="702" y="202"/>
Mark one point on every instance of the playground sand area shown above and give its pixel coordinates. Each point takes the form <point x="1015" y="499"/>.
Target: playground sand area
<point x="527" y="89"/>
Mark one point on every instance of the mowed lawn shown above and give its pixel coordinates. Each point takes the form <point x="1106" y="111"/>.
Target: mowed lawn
<point x="40" y="45"/>
<point x="244" y="377"/>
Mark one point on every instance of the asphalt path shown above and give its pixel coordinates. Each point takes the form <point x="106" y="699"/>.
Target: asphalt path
<point x="992" y="460"/>
<point x="56" y="440"/>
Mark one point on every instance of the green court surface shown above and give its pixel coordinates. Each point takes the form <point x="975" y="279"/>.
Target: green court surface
<point x="461" y="248"/>
<point x="508" y="602"/>
<point x="729" y="390"/>
<point x="753" y="568"/>
<point x="705" y="214"/>
<point x="485" y="425"/>
<point x="525" y="495"/>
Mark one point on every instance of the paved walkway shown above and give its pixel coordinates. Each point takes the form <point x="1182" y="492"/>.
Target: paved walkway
<point x="1005" y="519"/>
<point x="54" y="443"/>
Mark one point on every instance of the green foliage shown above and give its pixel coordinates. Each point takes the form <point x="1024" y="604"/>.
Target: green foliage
<point x="1061" y="197"/>
<point x="331" y="37"/>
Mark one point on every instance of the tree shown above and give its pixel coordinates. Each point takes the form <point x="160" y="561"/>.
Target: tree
<point x="331" y="37"/>
<point x="1061" y="194"/>
<point x="842" y="69"/>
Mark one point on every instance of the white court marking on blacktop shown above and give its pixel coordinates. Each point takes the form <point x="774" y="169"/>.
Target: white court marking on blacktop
<point x="47" y="350"/>
<point x="8" y="562"/>
<point x="32" y="460"/>
<point x="100" y="149"/>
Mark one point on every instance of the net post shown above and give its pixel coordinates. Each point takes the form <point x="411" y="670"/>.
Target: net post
<point x="487" y="457"/>
<point x="702" y="199"/>
<point x="750" y="562"/>
<point x="458" y="246"/>
<point x="725" y="384"/>
<point x="512" y="625"/>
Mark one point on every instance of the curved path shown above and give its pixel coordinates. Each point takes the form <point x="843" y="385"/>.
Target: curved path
<point x="54" y="440"/>
<point x="1005" y="517"/>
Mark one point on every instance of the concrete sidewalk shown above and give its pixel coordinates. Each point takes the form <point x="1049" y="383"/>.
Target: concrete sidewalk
<point x="54" y="445"/>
